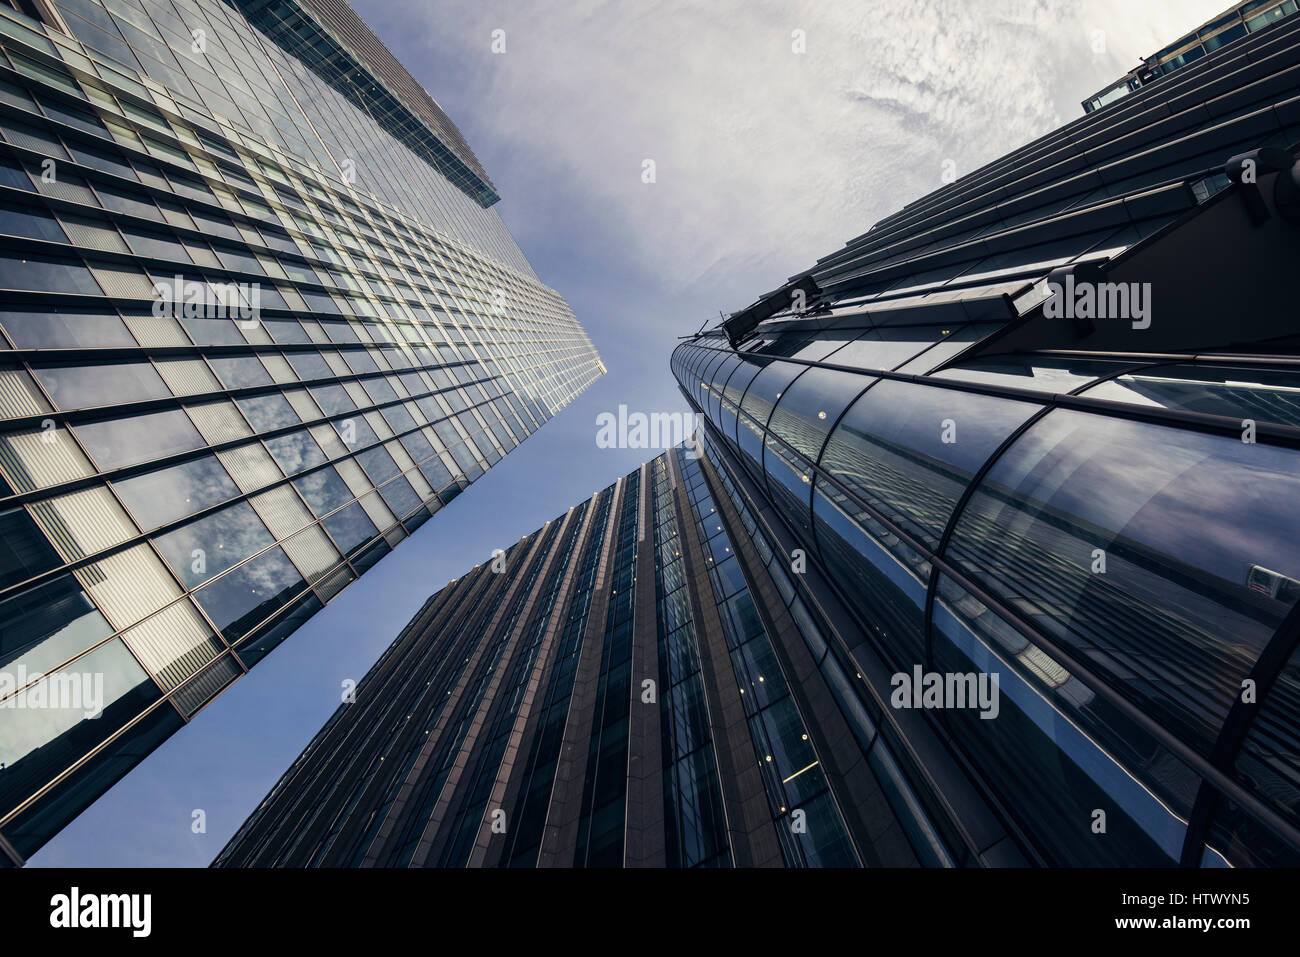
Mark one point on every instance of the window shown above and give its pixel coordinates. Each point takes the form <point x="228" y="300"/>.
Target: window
<point x="887" y="347"/>
<point x="910" y="449"/>
<point x="91" y="384"/>
<point x="350" y="528"/>
<point x="439" y="475"/>
<point x="310" y="365"/>
<point x="43" y="742"/>
<point x="131" y="203"/>
<point x="886" y="580"/>
<point x="323" y="490"/>
<point x="239" y="372"/>
<point x="209" y="546"/>
<point x="31" y="222"/>
<point x="221" y="331"/>
<point x="157" y="245"/>
<point x="812" y="404"/>
<point x="379" y="465"/>
<point x="1264" y="395"/>
<point x="46" y="274"/>
<point x="164" y="495"/>
<point x="128" y="440"/>
<point x="1144" y="549"/>
<point x="416" y="444"/>
<point x="286" y="330"/>
<point x="48" y="624"/>
<point x="268" y="412"/>
<point x="245" y="596"/>
<point x="296" y="452"/>
<point x="1056" y="750"/>
<point x="1035" y="373"/>
<point x="24" y="550"/>
<point x="400" y="496"/>
<point x="355" y="432"/>
<point x="56" y="328"/>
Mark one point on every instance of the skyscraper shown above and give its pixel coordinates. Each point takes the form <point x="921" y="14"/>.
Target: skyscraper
<point x="633" y="684"/>
<point x="990" y="558"/>
<point x="259" y="323"/>
<point x="1235" y="23"/>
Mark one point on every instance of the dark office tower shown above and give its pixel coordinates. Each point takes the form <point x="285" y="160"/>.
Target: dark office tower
<point x="635" y="684"/>
<point x="1044" y="424"/>
<point x="1233" y="24"/>
<point x="259" y="321"/>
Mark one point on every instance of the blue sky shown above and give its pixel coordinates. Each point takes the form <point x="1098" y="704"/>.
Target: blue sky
<point x="765" y="160"/>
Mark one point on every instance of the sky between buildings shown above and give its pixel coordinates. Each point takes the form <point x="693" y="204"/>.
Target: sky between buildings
<point x="764" y="159"/>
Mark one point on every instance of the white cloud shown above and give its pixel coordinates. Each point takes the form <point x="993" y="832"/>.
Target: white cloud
<point x="767" y="159"/>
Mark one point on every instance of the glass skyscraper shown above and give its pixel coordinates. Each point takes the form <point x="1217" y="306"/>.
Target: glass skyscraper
<point x="259" y="321"/>
<point x="1032" y="443"/>
<point x="1044" y="424"/>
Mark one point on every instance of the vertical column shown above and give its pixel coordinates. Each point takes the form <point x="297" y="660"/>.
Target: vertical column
<point x="749" y="820"/>
<point x="644" y="834"/>
<point x="559" y="837"/>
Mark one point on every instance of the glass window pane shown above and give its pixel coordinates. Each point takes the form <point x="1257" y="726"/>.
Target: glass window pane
<point x="90" y="384"/>
<point x="239" y="372"/>
<point x="1263" y="395"/>
<point x="156" y="498"/>
<point x="46" y="625"/>
<point x="910" y="450"/>
<point x="1035" y="373"/>
<point x="1164" y="557"/>
<point x="41" y="741"/>
<point x="221" y="331"/>
<point x="310" y="365"/>
<point x="30" y="222"/>
<point x="46" y="274"/>
<point x="55" y="328"/>
<point x="379" y="465"/>
<point x="113" y="443"/>
<point x="268" y="412"/>
<point x="767" y="388"/>
<point x="295" y="452"/>
<point x="205" y="548"/>
<point x="886" y="580"/>
<point x="24" y="549"/>
<point x="400" y="496"/>
<point x="1055" y="751"/>
<point x="333" y="399"/>
<point x="247" y="595"/>
<point x="350" y="528"/>
<point x="324" y="490"/>
<point x="812" y="404"/>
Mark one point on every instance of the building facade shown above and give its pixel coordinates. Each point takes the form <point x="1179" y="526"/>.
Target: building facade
<point x="635" y="684"/>
<point x="988" y="559"/>
<point x="259" y="322"/>
<point x="1241" y="20"/>
<point x="1043" y="424"/>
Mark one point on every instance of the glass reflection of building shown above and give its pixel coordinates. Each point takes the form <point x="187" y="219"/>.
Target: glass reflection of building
<point x="1104" y="515"/>
<point x="179" y="492"/>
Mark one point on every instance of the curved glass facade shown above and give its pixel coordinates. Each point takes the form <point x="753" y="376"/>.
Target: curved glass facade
<point x="1113" y="537"/>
